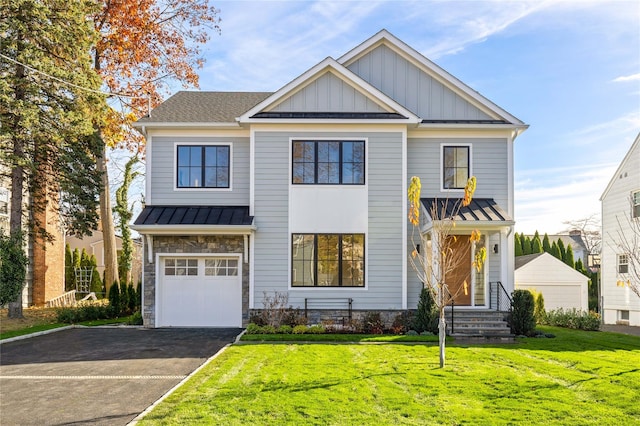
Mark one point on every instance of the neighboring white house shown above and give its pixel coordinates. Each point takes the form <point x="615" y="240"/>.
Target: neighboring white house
<point x="620" y="209"/>
<point x="303" y="191"/>
<point x="561" y="285"/>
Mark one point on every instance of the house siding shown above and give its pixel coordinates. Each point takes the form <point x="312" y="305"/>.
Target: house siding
<point x="489" y="165"/>
<point x="328" y="93"/>
<point x="383" y="240"/>
<point x="405" y="83"/>
<point x="162" y="161"/>
<point x="616" y="210"/>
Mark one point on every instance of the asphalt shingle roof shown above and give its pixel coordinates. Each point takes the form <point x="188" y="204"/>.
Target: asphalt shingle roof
<point x="523" y="260"/>
<point x="204" y="107"/>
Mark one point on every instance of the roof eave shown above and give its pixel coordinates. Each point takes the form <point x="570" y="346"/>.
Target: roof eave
<point x="185" y="124"/>
<point x="194" y="229"/>
<point x="476" y="126"/>
<point x="331" y="121"/>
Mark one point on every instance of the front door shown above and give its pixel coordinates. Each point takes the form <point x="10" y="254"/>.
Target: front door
<point x="458" y="279"/>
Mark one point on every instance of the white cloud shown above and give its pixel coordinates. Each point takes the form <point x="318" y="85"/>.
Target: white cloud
<point x="609" y="136"/>
<point x="625" y="78"/>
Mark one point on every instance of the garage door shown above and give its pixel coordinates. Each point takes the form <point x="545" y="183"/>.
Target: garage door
<point x="200" y="292"/>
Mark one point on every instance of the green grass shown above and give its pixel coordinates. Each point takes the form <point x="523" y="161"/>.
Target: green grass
<point x="331" y="337"/>
<point x="45" y="327"/>
<point x="577" y="378"/>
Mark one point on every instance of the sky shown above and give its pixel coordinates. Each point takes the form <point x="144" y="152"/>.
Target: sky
<point x="571" y="70"/>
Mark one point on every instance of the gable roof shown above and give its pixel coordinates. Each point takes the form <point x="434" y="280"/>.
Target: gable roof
<point x="520" y="261"/>
<point x="429" y="67"/>
<point x="329" y="65"/>
<point x="203" y="107"/>
<point x="635" y="145"/>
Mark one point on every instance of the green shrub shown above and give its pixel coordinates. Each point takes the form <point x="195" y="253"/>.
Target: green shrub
<point x="426" y="318"/>
<point x="575" y="319"/>
<point x="132" y="299"/>
<point x="300" y="329"/>
<point x="522" y="307"/>
<point x="285" y="329"/>
<point x="124" y="298"/>
<point x="538" y="309"/>
<point x="114" y="297"/>
<point x="316" y="329"/>
<point x="136" y="319"/>
<point x="253" y="328"/>
<point x="403" y="322"/>
<point x="86" y="312"/>
<point x="268" y="329"/>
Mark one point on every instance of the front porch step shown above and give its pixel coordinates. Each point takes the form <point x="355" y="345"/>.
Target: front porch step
<point x="480" y="325"/>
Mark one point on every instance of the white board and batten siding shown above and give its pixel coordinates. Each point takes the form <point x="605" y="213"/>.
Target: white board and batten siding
<point x="561" y="285"/>
<point x="408" y="85"/>
<point x="375" y="209"/>
<point x="163" y="173"/>
<point x="616" y="213"/>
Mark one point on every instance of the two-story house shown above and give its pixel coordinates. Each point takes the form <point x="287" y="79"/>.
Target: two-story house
<point x="620" y="241"/>
<point x="303" y="191"/>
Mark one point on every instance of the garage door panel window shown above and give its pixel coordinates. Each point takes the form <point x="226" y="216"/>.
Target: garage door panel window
<point x="181" y="267"/>
<point x="221" y="267"/>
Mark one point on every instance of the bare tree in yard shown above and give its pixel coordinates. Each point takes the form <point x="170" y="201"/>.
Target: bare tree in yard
<point x="589" y="228"/>
<point x="439" y="267"/>
<point x="628" y="243"/>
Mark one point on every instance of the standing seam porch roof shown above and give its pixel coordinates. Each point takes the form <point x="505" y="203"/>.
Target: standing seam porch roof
<point x="480" y="209"/>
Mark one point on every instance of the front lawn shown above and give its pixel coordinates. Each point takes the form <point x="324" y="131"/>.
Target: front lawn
<point x="577" y="378"/>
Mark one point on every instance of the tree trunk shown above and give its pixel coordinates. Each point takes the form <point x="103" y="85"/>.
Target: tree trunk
<point x="17" y="182"/>
<point x="108" y="229"/>
<point x="442" y="334"/>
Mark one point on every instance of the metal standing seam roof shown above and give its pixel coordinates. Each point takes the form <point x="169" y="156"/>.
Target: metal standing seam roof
<point x="195" y="215"/>
<point x="480" y="209"/>
<point x="204" y="107"/>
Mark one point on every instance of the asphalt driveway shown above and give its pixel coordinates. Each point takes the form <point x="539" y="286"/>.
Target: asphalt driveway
<point x="98" y="376"/>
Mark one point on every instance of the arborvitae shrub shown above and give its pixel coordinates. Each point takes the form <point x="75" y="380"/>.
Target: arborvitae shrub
<point x="426" y="318"/>
<point x="133" y="298"/>
<point x="523" y="321"/>
<point x="114" y="297"/>
<point x="124" y="298"/>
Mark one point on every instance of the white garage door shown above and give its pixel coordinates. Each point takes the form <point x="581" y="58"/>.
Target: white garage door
<point x="200" y="292"/>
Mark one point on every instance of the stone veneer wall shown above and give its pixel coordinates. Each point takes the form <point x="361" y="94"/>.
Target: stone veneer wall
<point x="191" y="244"/>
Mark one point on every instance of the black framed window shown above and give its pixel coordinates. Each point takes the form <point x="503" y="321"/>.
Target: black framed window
<point x="327" y="260"/>
<point x="328" y="162"/>
<point x="203" y="166"/>
<point x="455" y="167"/>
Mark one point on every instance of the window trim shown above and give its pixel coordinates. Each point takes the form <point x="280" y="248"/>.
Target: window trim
<point x="340" y="140"/>
<point x="203" y="144"/>
<point x="635" y="204"/>
<point x="454" y="145"/>
<point x="315" y="262"/>
<point x="620" y="263"/>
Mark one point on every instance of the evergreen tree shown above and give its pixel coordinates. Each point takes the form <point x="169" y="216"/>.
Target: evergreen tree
<point x="568" y="257"/>
<point x="555" y="251"/>
<point x="546" y="245"/>
<point x="96" y="281"/>
<point x="517" y="245"/>
<point x="523" y="243"/>
<point x="562" y="249"/>
<point x="528" y="248"/>
<point x="69" y="276"/>
<point x="580" y="267"/>
<point x="537" y="245"/>
<point x="46" y="109"/>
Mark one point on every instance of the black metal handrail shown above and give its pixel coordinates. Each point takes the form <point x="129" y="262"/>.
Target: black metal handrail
<point x="503" y="300"/>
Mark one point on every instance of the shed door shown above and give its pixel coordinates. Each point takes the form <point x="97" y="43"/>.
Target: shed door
<point x="200" y="292"/>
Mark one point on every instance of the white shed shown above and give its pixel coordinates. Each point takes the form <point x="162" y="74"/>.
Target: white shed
<point x="561" y="285"/>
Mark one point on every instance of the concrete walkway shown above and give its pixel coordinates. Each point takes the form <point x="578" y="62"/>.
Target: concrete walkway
<point x="98" y="376"/>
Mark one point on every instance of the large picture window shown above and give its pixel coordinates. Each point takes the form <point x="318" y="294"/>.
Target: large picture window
<point x="328" y="162"/>
<point x="455" y="167"/>
<point x="327" y="260"/>
<point x="203" y="166"/>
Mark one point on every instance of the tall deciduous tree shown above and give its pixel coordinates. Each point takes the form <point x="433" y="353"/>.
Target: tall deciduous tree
<point x="445" y="252"/>
<point x="142" y="45"/>
<point x="627" y="241"/>
<point x="47" y="102"/>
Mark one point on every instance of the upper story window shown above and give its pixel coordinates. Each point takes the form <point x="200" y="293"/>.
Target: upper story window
<point x="623" y="264"/>
<point x="203" y="166"/>
<point x="456" y="166"/>
<point x="635" y="204"/>
<point x="328" y="162"/>
<point x="327" y="260"/>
